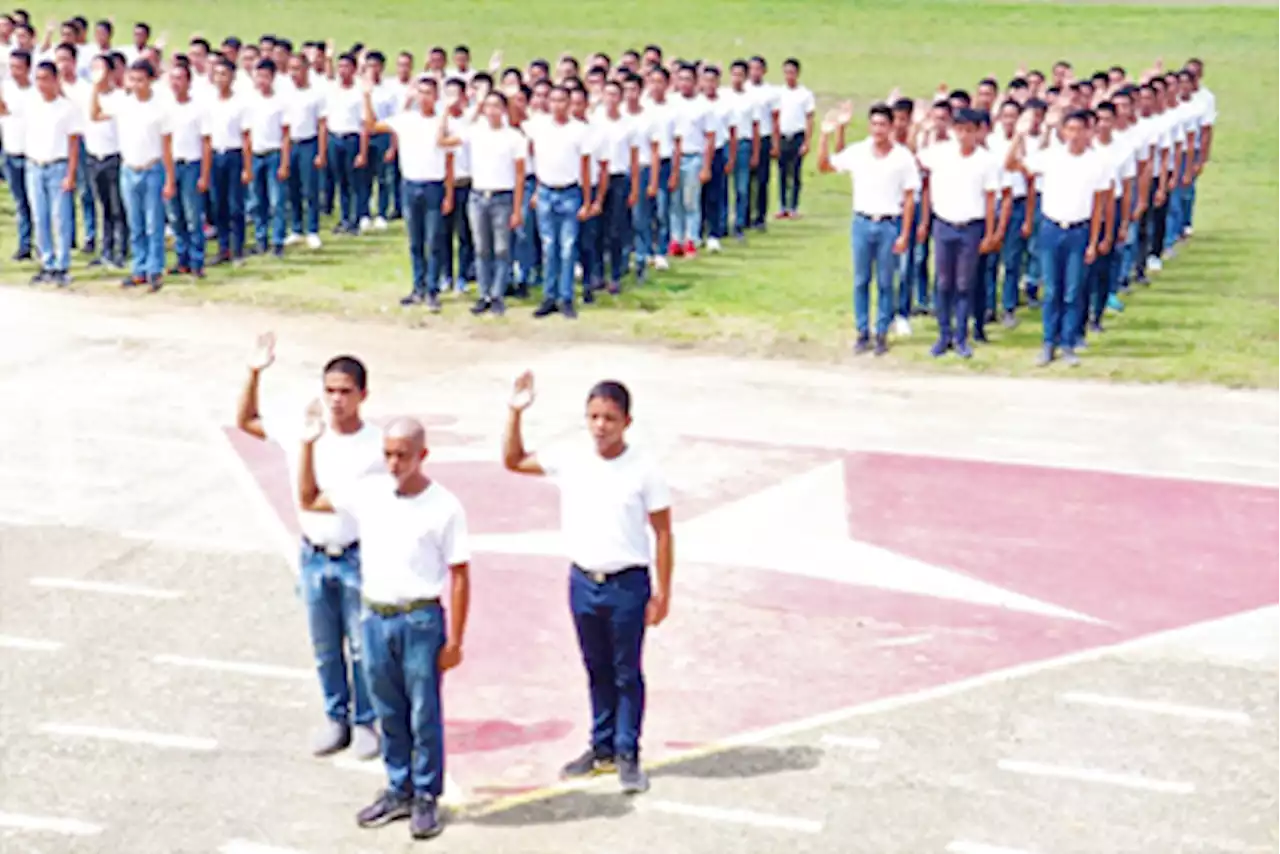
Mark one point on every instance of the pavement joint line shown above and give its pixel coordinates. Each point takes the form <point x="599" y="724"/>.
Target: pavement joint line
<point x="248" y="668"/>
<point x="1095" y="775"/>
<point x="1156" y="707"/>
<point x="48" y="824"/>
<point x="963" y="846"/>
<point x="853" y="742"/>
<point x="110" y="588"/>
<point x="130" y="736"/>
<point x="884" y="704"/>
<point x="731" y="816"/>
<point x="245" y="846"/>
<point x="32" y="644"/>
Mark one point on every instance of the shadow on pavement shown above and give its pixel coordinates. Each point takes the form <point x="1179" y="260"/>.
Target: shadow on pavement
<point x="747" y="761"/>
<point x="559" y="809"/>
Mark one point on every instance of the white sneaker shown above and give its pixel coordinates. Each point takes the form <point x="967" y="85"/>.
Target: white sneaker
<point x="901" y="326"/>
<point x="660" y="263"/>
<point x="713" y="245"/>
<point x="313" y="241"/>
<point x="365" y="224"/>
<point x="380" y="224"/>
<point x="1188" y="231"/>
<point x="292" y="239"/>
<point x="1154" y="264"/>
<point x="577" y="271"/>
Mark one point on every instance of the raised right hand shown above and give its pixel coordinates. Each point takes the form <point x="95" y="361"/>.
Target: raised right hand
<point x="313" y="426"/>
<point x="264" y="352"/>
<point x="522" y="392"/>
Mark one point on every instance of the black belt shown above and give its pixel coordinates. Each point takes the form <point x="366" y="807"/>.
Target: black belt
<point x="47" y="162"/>
<point x="1066" y="226"/>
<point x="559" y="189"/>
<point x="491" y="194"/>
<point x="195" y="162"/>
<point x="332" y="550"/>
<point x="305" y="141"/>
<point x="333" y="135"/>
<point x="602" y="577"/>
<point x="228" y="150"/>
<point x="103" y="158"/>
<point x="384" y="610"/>
<point x="964" y="224"/>
<point x="878" y="218"/>
<point x="267" y="152"/>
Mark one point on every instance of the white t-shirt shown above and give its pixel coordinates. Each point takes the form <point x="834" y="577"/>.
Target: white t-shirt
<point x="768" y="100"/>
<point x="560" y="149"/>
<point x="141" y="126"/>
<point x="407" y="543"/>
<point x="691" y="123"/>
<point x="387" y="100"/>
<point x="226" y="117"/>
<point x="879" y="183"/>
<point x="13" y="126"/>
<point x="189" y="125"/>
<point x="958" y="185"/>
<point x="744" y="111"/>
<point x="421" y="157"/>
<point x="617" y="138"/>
<point x="305" y="108"/>
<point x="340" y="460"/>
<point x="49" y="127"/>
<point x="344" y="109"/>
<point x="1119" y="158"/>
<point x="998" y="144"/>
<point x="605" y="506"/>
<point x="794" y="108"/>
<point x="266" y="119"/>
<point x="1070" y="182"/>
<point x="494" y="154"/>
<point x="719" y="117"/>
<point x="660" y="119"/>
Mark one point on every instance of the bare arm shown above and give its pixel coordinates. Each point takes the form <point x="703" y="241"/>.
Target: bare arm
<point x="664" y="558"/>
<point x="248" y="418"/>
<point x="514" y="456"/>
<point x="459" y="602"/>
<point x="309" y="495"/>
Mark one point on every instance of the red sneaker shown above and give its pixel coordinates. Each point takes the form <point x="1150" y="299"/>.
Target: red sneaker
<point x="690" y="249"/>
<point x="674" y="249"/>
<point x="782" y="215"/>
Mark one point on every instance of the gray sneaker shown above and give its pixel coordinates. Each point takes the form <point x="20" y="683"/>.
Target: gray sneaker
<point x="332" y="737"/>
<point x="632" y="777"/>
<point x="1069" y="356"/>
<point x="1045" y="357"/>
<point x="365" y="743"/>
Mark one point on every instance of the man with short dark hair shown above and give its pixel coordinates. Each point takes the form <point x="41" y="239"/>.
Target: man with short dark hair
<point x="795" y="129"/>
<point x="15" y="91"/>
<point x="267" y="123"/>
<point x="767" y="98"/>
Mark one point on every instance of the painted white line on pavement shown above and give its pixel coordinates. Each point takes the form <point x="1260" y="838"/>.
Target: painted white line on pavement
<point x="453" y="793"/>
<point x="273" y="528"/>
<point x="105" y="587"/>
<point x="11" y="642"/>
<point x="1156" y="707"/>
<point x="249" y="668"/>
<point x="852" y="742"/>
<point x="131" y="736"/>
<point x="47" y="824"/>
<point x="909" y="640"/>
<point x="747" y="817"/>
<point x="961" y="846"/>
<point x="244" y="846"/>
<point x="1093" y="775"/>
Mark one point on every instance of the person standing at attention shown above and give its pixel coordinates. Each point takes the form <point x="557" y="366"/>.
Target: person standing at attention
<point x="1077" y="183"/>
<point x="795" y="130"/>
<point x="232" y="160"/>
<point x="329" y="557"/>
<point x="695" y="142"/>
<point x="611" y="496"/>
<point x="192" y="161"/>
<point x="744" y="146"/>
<point x="961" y="183"/>
<point x="267" y="120"/>
<point x="146" y="175"/>
<point x="427" y="170"/>
<point x="348" y="141"/>
<point x="309" y="150"/>
<point x="415" y="546"/>
<point x="885" y="183"/>
<point x="768" y="107"/>
<point x="15" y="90"/>
<point x="102" y="146"/>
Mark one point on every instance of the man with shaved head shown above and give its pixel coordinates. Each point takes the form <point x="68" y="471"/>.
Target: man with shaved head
<point x="413" y="533"/>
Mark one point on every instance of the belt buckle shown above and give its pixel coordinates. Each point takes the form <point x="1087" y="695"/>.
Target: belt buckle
<point x="597" y="577"/>
<point x="334" y="551"/>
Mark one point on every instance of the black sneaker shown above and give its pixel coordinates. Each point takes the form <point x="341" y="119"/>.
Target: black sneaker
<point x="589" y="764"/>
<point x="498" y="307"/>
<point x="588" y="295"/>
<point x="414" y="298"/>
<point x="882" y="344"/>
<point x="154" y="283"/>
<point x="547" y="307"/>
<point x="433" y="303"/>
<point x="632" y="777"/>
<point x="567" y="309"/>
<point x="424" y="822"/>
<point x="862" y="345"/>
<point x="481" y="306"/>
<point x="96" y="262"/>
<point x="22" y="256"/>
<point x="390" y="806"/>
<point x="62" y="279"/>
<point x="277" y="251"/>
<point x="90" y="248"/>
<point x="41" y="278"/>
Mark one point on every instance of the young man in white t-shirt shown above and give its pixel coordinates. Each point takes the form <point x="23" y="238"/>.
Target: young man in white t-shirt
<point x="795" y="129"/>
<point x="329" y="576"/>
<point x="612" y="496"/>
<point x="414" y="536"/>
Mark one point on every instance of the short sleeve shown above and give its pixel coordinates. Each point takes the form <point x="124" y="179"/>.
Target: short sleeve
<point x="455" y="542"/>
<point x="911" y="174"/>
<point x="1106" y="176"/>
<point x="991" y="181"/>
<point x="75" y="120"/>
<point x="1035" y="160"/>
<point x="808" y="102"/>
<point x="657" y="495"/>
<point x="845" y="159"/>
<point x="927" y="157"/>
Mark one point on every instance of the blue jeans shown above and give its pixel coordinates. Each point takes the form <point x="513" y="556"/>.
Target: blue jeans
<point x="490" y="218"/>
<point x="84" y="189"/>
<point x="955" y="250"/>
<point x="1035" y="275"/>
<point x="872" y="244"/>
<point x="269" y="190"/>
<point x="304" y="186"/>
<point x="423" y="220"/>
<point x="330" y="587"/>
<point x="343" y="149"/>
<point x="686" y="201"/>
<point x="616" y="225"/>
<point x="401" y="660"/>
<point x="742" y="188"/>
<point x="15" y="172"/>
<point x="715" y="197"/>
<point x="51" y="209"/>
<point x="558" y="227"/>
<point x="789" y="163"/>
<point x="760" y="182"/>
<point x="143" y="192"/>
<point x="1062" y="260"/>
<point x="525" y="252"/>
<point x="378" y="172"/>
<point x="456" y="224"/>
<point x="649" y="219"/>
<point x="609" y="618"/>
<point x="1176" y="217"/>
<point x="907" y="264"/>
<point x="591" y="250"/>
<point x="1015" y="246"/>
<point x="186" y="216"/>
<point x="227" y="192"/>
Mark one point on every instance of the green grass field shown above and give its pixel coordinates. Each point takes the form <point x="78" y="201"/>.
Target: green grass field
<point x="1211" y="316"/>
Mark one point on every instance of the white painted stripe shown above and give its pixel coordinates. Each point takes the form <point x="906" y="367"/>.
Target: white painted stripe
<point x="11" y="642"/>
<point x="47" y="824"/>
<point x="131" y="736"/>
<point x="280" y="537"/>
<point x="748" y="817"/>
<point x="1156" y="707"/>
<point x="909" y="640"/>
<point x="454" y="795"/>
<point x="1093" y="775"/>
<point x="105" y="587"/>
<point x="961" y="846"/>
<point x="244" y="846"/>
<point x="249" y="668"/>
<point x="852" y="742"/>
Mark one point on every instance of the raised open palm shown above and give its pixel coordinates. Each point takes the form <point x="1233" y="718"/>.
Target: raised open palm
<point x="264" y="352"/>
